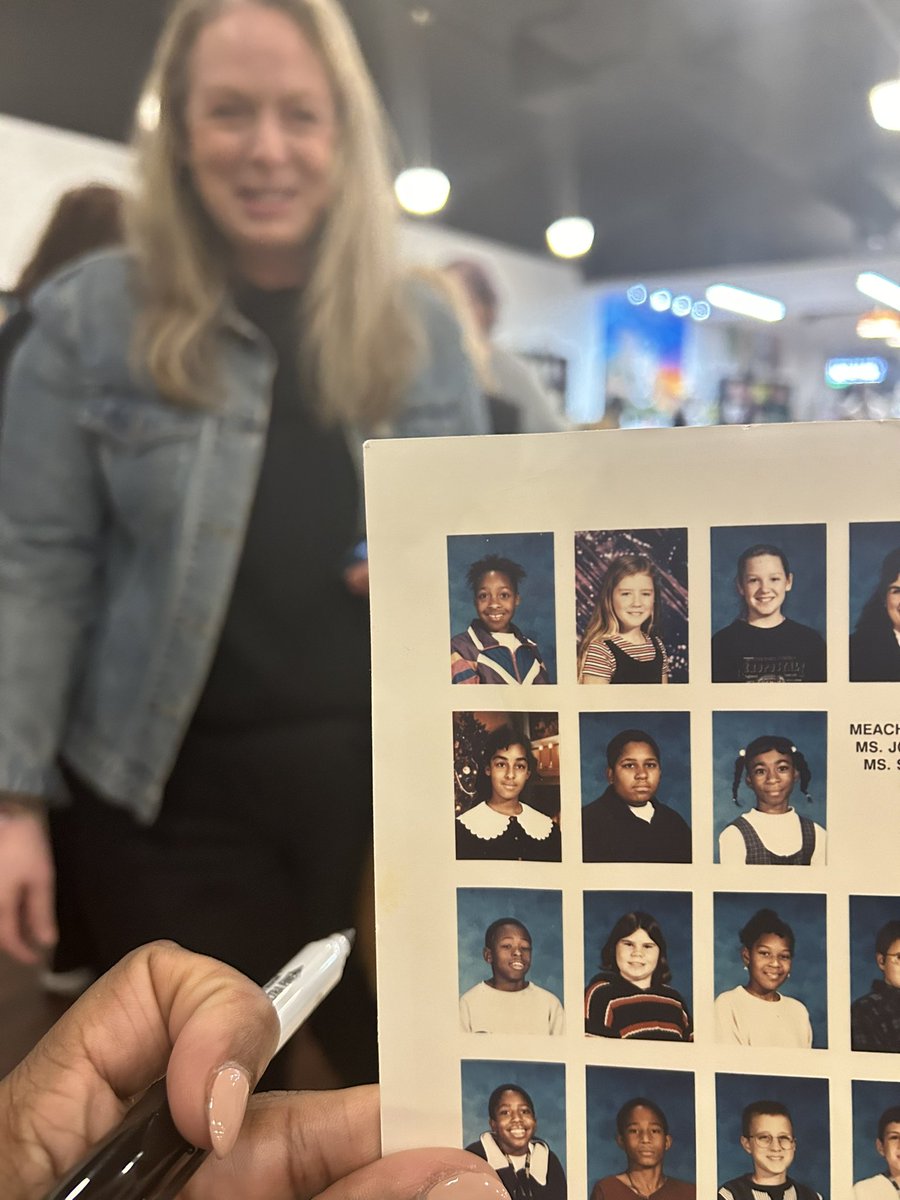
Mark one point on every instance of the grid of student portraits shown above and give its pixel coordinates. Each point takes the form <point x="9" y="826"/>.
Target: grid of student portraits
<point x="631" y="860"/>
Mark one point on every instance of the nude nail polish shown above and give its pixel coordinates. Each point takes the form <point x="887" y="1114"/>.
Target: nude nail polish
<point x="228" y="1095"/>
<point x="466" y="1185"/>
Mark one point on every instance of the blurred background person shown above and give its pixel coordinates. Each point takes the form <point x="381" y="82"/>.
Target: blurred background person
<point x="84" y="219"/>
<point x="518" y="402"/>
<point x="179" y="491"/>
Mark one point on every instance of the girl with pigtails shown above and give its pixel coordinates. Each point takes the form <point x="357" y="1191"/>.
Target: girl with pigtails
<point x="772" y="833"/>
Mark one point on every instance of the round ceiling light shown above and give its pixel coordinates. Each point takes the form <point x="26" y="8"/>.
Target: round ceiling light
<point x="884" y="101"/>
<point x="570" y="237"/>
<point x="422" y="190"/>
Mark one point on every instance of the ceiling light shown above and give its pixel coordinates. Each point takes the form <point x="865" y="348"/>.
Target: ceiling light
<point x="884" y="100"/>
<point x="570" y="237"/>
<point x="701" y="311"/>
<point x="880" y="323"/>
<point x="422" y="190"/>
<point x="848" y="372"/>
<point x="637" y="294"/>
<point x="661" y="300"/>
<point x="681" y="306"/>
<point x="748" y="304"/>
<point x="879" y="287"/>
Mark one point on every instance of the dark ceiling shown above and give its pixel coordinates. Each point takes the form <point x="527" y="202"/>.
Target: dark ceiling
<point x="694" y="133"/>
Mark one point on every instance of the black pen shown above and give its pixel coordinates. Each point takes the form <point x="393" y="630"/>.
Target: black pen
<point x="146" y="1158"/>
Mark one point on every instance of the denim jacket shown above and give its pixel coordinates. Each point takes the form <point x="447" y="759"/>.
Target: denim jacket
<point x="122" y="520"/>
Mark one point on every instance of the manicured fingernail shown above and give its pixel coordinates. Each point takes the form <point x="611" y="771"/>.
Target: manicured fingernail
<point x="466" y="1185"/>
<point x="228" y="1095"/>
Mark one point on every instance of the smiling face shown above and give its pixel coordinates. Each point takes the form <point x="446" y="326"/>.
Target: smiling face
<point x="771" y="1146"/>
<point x="632" y="601"/>
<point x="509" y="957"/>
<point x="768" y="965"/>
<point x="644" y="1140"/>
<point x="514" y="1123"/>
<point x="509" y="770"/>
<point x="496" y="601"/>
<point x="892" y="603"/>
<point x="261" y="132"/>
<point x="635" y="777"/>
<point x="889" y="1148"/>
<point x="889" y="964"/>
<point x="763" y="587"/>
<point x="771" y="777"/>
<point x="637" y="957"/>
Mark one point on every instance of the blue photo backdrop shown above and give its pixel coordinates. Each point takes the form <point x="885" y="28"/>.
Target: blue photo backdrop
<point x="672" y="911"/>
<point x="731" y="733"/>
<point x="870" y="542"/>
<point x="672" y="733"/>
<point x="805" y="913"/>
<point x="536" y="614"/>
<point x="544" y="1082"/>
<point x="870" y="1099"/>
<point x="608" y="1088"/>
<point x="867" y="915"/>
<point x="539" y="911"/>
<point x="804" y="546"/>
<point x="807" y="1102"/>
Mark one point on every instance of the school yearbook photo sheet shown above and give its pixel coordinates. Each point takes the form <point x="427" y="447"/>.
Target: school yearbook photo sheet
<point x="637" y="807"/>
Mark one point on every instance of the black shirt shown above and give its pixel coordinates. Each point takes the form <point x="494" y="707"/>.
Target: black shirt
<point x="295" y="641"/>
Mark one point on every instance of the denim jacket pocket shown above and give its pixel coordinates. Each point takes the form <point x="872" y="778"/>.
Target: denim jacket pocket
<point x="130" y="423"/>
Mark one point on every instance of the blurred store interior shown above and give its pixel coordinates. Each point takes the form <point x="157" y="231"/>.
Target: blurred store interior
<point x="709" y="142"/>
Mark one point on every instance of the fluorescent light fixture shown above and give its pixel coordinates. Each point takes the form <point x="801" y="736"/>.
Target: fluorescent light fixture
<point x="845" y="372"/>
<point x="422" y="190"/>
<point x="747" y="304"/>
<point x="570" y="237"/>
<point x="884" y="101"/>
<point x="879" y="287"/>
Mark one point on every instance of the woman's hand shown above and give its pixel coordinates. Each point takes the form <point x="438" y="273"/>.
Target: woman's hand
<point x="27" y="920"/>
<point x="161" y="1010"/>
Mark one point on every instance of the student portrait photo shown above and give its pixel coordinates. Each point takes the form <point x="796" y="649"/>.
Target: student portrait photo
<point x="510" y="961"/>
<point x="769" y="778"/>
<point x="875" y="602"/>
<point x="769" y="1141"/>
<point x="770" y="971"/>
<point x="502" y="610"/>
<point x="631" y="966"/>
<point x="514" y="1117"/>
<point x="760" y="574"/>
<point x="875" y="973"/>
<point x="506" y="786"/>
<point x="633" y="759"/>
<point x="631" y="606"/>
<point x="876" y="1140"/>
<point x="640" y="1134"/>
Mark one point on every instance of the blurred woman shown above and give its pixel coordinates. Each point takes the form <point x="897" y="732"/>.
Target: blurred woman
<point x="875" y="642"/>
<point x="526" y="1165"/>
<point x="179" y="494"/>
<point x="630" y="997"/>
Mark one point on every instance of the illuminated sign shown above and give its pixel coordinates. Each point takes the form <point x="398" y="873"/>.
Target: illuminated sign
<point x="845" y="372"/>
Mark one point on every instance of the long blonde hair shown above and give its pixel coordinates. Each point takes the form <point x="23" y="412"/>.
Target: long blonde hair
<point x="603" y="622"/>
<point x="358" y="338"/>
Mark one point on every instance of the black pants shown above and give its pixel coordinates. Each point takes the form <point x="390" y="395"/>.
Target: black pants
<point x="257" y="850"/>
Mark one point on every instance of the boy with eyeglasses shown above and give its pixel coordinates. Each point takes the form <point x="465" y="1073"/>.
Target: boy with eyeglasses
<point x="875" y="1017"/>
<point x="767" y="1134"/>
